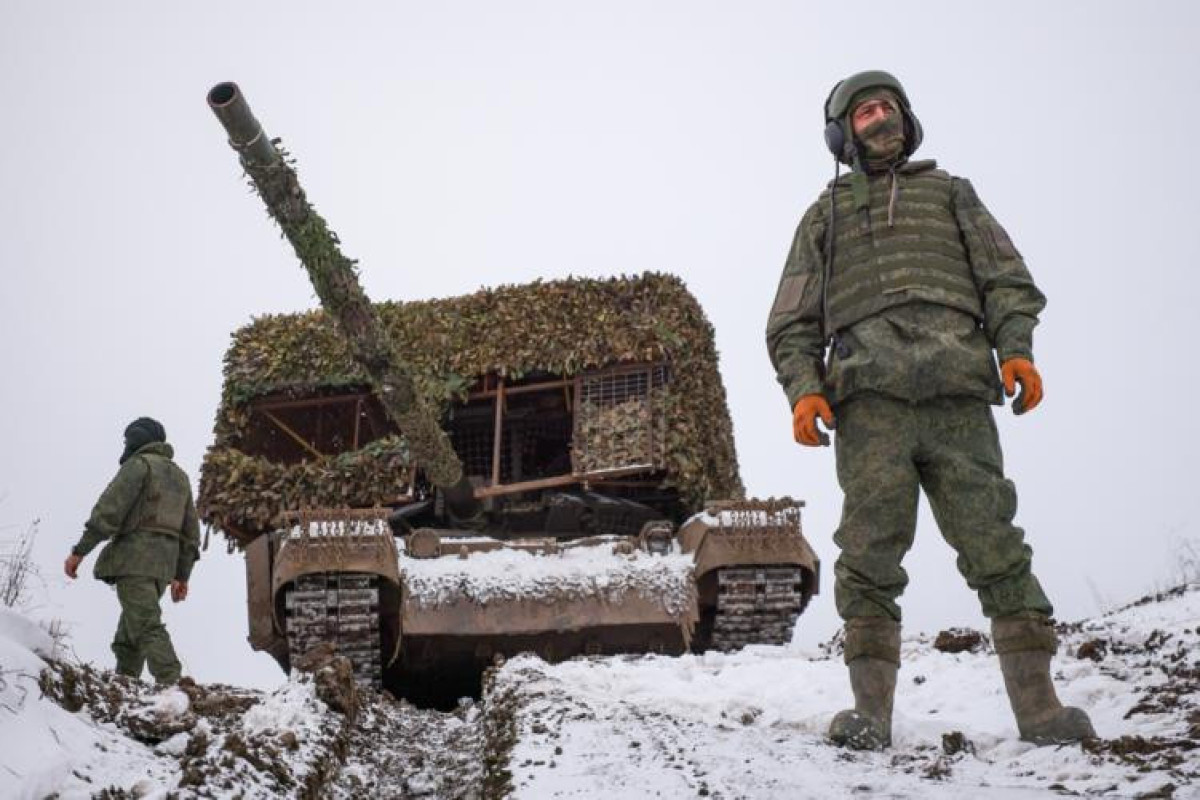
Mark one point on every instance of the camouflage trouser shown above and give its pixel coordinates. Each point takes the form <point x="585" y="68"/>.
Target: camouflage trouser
<point x="141" y="636"/>
<point x="886" y="450"/>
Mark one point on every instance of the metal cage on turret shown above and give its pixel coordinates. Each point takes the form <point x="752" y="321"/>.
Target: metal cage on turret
<point x="620" y="419"/>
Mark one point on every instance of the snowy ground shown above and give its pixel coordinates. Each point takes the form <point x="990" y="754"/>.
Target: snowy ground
<point x="744" y="725"/>
<point x="752" y="724"/>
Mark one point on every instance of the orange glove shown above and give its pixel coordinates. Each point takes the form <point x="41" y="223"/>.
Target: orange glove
<point x="1022" y="370"/>
<point x="804" y="420"/>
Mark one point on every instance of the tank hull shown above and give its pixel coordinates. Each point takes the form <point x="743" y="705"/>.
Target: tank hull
<point x="723" y="580"/>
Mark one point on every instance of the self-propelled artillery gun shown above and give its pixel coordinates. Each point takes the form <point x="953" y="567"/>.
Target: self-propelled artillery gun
<point x="429" y="486"/>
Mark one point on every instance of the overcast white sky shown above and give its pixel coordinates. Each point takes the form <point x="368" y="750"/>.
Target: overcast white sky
<point x="457" y="145"/>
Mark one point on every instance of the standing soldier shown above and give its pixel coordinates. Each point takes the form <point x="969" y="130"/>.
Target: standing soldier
<point x="905" y="276"/>
<point x="148" y="517"/>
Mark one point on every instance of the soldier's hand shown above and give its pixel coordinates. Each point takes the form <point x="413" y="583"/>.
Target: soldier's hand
<point x="804" y="420"/>
<point x="1022" y="371"/>
<point x="179" y="591"/>
<point x="71" y="565"/>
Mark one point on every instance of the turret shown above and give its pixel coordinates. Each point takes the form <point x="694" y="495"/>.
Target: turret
<point x="335" y="279"/>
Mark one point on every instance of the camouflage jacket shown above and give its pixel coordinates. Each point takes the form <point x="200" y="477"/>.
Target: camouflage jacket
<point x="148" y="519"/>
<point x="915" y="347"/>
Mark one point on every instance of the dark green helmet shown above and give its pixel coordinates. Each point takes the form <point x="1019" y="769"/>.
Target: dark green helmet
<point x="837" y="106"/>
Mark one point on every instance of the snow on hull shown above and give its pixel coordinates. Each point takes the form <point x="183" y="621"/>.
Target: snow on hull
<point x="584" y="574"/>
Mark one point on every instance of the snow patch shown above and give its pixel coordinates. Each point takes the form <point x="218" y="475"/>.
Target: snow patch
<point x="293" y="707"/>
<point x="25" y="633"/>
<point x="172" y="703"/>
<point x="175" y="746"/>
<point x="340" y="528"/>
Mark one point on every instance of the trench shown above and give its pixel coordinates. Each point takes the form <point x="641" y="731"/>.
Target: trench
<point x="436" y="672"/>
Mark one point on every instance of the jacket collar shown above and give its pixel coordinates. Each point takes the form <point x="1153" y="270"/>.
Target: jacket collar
<point x="905" y="168"/>
<point x="156" y="449"/>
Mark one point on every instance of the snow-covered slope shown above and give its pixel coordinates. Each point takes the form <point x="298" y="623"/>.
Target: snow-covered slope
<point x="749" y="724"/>
<point x="752" y="724"/>
<point x="71" y="731"/>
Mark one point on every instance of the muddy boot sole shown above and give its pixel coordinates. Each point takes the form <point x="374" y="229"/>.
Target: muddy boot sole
<point x="858" y="732"/>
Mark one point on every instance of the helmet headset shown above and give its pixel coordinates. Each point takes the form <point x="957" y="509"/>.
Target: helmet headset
<point x="837" y="106"/>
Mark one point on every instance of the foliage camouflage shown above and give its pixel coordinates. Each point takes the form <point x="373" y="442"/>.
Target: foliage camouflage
<point x="557" y="327"/>
<point x="335" y="279"/>
<point x="246" y="493"/>
<point x="628" y="432"/>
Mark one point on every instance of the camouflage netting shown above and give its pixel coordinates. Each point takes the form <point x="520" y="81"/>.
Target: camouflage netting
<point x="247" y="493"/>
<point x="557" y="327"/>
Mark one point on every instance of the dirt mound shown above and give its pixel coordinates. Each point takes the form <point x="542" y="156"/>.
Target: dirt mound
<point x="960" y="640"/>
<point x="220" y="739"/>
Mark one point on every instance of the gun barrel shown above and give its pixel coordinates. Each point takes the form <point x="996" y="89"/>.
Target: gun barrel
<point x="245" y="134"/>
<point x="335" y="279"/>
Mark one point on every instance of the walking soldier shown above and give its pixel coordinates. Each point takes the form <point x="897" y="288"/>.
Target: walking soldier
<point x="149" y="521"/>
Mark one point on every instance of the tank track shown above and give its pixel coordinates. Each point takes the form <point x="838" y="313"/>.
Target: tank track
<point x="342" y="609"/>
<point x="756" y="605"/>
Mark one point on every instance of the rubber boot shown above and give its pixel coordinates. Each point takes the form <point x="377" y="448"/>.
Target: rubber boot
<point x="873" y="658"/>
<point x="1025" y="647"/>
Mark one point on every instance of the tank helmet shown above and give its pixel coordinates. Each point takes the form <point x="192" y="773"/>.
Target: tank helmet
<point x="838" y="106"/>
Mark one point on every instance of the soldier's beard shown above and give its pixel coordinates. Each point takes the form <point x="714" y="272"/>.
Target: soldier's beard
<point x="883" y="140"/>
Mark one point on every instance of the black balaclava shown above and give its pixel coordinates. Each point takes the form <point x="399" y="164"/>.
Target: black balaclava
<point x="141" y="432"/>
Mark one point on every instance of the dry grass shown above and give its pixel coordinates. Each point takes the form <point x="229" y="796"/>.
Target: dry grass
<point x="17" y="567"/>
